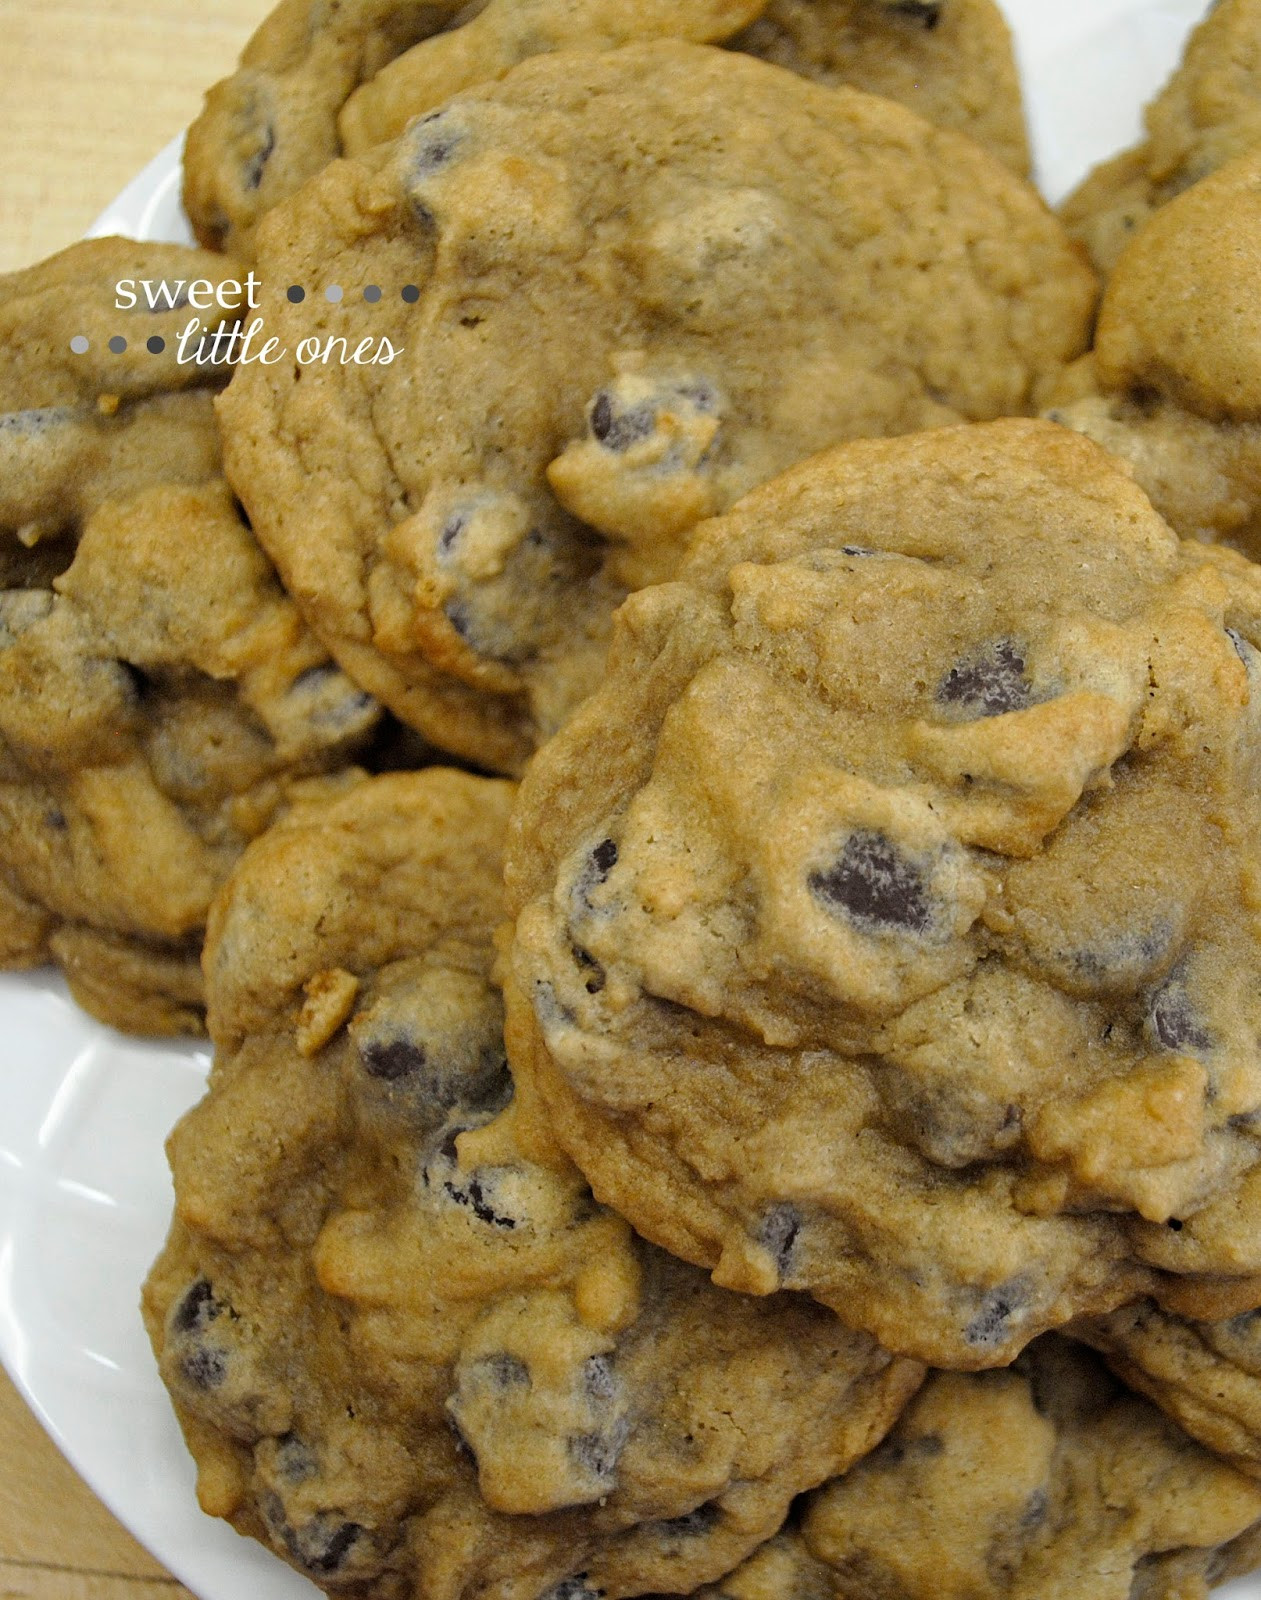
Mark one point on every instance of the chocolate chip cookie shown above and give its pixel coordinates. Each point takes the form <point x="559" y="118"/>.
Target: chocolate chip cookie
<point x="1172" y="385"/>
<point x="604" y="259"/>
<point x="853" y="941"/>
<point x="160" y="698"/>
<point x="949" y="60"/>
<point x="1042" y="1482"/>
<point x="1205" y="1375"/>
<point x="274" y="124"/>
<point x="400" y="1335"/>
<point x="1207" y="114"/>
<point x="78" y="428"/>
<point x="320" y="80"/>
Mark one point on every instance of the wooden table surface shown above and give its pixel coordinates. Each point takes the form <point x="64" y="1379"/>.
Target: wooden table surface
<point x="90" y="90"/>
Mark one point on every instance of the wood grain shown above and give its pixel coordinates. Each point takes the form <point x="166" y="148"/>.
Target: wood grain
<point x="90" y="90"/>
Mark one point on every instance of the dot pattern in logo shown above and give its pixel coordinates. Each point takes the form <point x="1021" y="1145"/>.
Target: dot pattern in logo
<point x="335" y="294"/>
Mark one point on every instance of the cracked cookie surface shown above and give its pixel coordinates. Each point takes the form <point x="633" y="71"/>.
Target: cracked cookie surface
<point x="609" y="255"/>
<point x="408" y="1350"/>
<point x="852" y="937"/>
<point x="1042" y="1482"/>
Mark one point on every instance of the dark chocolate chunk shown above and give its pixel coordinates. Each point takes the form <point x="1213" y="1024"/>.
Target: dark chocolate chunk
<point x="874" y="886"/>
<point x="575" y="1588"/>
<point x="434" y="142"/>
<point x="505" y="1371"/>
<point x="1172" y="1019"/>
<point x="778" y="1232"/>
<point x="205" y="1367"/>
<point x="619" y="430"/>
<point x="989" y="683"/>
<point x="392" y="1059"/>
<point x="597" y="1378"/>
<point x="926" y="12"/>
<point x="599" y="1453"/>
<point x="595" y="979"/>
<point x="452" y="528"/>
<point x="295" y="1460"/>
<point x="473" y="1195"/>
<point x="197" y="1308"/>
<point x="992" y="1324"/>
<point x="322" y="1545"/>
<point x="252" y="171"/>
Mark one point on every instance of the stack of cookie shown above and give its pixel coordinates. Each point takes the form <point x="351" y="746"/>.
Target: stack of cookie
<point x="849" y="968"/>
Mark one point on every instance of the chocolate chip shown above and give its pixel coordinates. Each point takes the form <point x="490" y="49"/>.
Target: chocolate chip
<point x="295" y="1460"/>
<point x="429" y="1039"/>
<point x="434" y="142"/>
<point x="926" y="12"/>
<point x="989" y="683"/>
<point x="322" y="1545"/>
<point x="504" y="1371"/>
<point x="619" y="430"/>
<point x="197" y="1309"/>
<point x="575" y="1588"/>
<point x="475" y="1191"/>
<point x="1034" y="1514"/>
<point x="598" y="1453"/>
<point x="595" y="979"/>
<point x="874" y="886"/>
<point x="392" y="1059"/>
<point x="1172" y="1019"/>
<point x="597" y="1378"/>
<point x="451" y="531"/>
<point x="778" y="1233"/>
<point x="332" y="700"/>
<point x="992" y="1323"/>
<point x="253" y="169"/>
<point x="473" y="1195"/>
<point x="205" y="1368"/>
<point x="595" y="870"/>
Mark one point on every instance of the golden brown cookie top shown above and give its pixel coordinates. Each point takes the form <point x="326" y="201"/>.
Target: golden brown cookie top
<point x="274" y="123"/>
<point x="159" y="698"/>
<point x="95" y="403"/>
<point x="949" y="60"/>
<point x="1207" y="114"/>
<point x="317" y="81"/>
<point x="1044" y="1481"/>
<point x="607" y="257"/>
<point x="1182" y="315"/>
<point x="850" y="912"/>
<point x="398" y="1331"/>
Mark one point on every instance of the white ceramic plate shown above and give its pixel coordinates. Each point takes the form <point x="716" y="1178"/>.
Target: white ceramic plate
<point x="84" y="1190"/>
